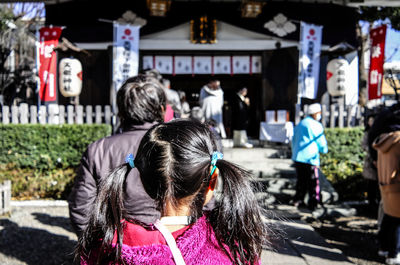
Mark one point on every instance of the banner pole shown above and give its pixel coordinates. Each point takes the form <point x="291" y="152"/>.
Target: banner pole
<point x="113" y="88"/>
<point x="299" y="78"/>
<point x="37" y="43"/>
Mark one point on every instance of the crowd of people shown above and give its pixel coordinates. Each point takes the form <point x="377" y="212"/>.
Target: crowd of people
<point x="146" y="194"/>
<point x="381" y="170"/>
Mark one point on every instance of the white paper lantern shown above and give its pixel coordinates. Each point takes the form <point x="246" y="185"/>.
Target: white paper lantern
<point x="336" y="71"/>
<point x="70" y="77"/>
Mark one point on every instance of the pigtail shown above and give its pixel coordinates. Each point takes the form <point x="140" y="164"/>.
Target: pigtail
<point x="237" y="219"/>
<point x="105" y="220"/>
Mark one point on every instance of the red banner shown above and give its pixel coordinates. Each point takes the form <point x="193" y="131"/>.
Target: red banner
<point x="48" y="63"/>
<point x="377" y="58"/>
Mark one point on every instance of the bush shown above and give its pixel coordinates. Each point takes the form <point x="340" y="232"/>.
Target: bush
<point x="46" y="147"/>
<point x="343" y="164"/>
<point x="41" y="160"/>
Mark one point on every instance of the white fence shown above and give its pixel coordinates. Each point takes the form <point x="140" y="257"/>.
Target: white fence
<point x="340" y="116"/>
<point x="56" y="114"/>
<point x="335" y="116"/>
<point x="5" y="197"/>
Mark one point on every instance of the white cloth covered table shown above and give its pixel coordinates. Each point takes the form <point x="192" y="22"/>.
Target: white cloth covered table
<point x="276" y="132"/>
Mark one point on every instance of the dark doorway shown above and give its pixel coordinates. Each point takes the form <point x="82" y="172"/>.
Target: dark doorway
<point x="191" y="85"/>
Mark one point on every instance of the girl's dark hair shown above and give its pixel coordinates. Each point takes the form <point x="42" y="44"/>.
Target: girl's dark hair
<point x="141" y="99"/>
<point x="174" y="163"/>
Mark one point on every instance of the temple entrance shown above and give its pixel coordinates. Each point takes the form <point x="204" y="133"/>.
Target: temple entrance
<point x="191" y="85"/>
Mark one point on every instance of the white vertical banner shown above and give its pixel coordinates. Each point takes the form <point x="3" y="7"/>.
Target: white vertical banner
<point x="126" y="53"/>
<point x="351" y="84"/>
<point x="309" y="56"/>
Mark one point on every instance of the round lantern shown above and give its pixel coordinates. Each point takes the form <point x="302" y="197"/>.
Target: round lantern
<point x="70" y="77"/>
<point x="336" y="77"/>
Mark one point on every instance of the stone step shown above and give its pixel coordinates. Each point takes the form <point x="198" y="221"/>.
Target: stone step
<point x="273" y="174"/>
<point x="262" y="162"/>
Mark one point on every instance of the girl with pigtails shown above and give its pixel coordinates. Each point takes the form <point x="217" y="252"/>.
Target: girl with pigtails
<point x="180" y="169"/>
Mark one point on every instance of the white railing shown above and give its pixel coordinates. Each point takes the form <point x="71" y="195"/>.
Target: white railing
<point x="5" y="197"/>
<point x="335" y="116"/>
<point x="340" y="116"/>
<point x="56" y="114"/>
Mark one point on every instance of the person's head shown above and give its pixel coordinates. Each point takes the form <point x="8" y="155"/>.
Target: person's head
<point x="141" y="99"/>
<point x="211" y="123"/>
<point x="243" y="91"/>
<point x="153" y="73"/>
<point x="370" y="121"/>
<point x="315" y="110"/>
<point x="166" y="83"/>
<point x="197" y="114"/>
<point x="179" y="167"/>
<point x="174" y="164"/>
<point x="182" y="95"/>
<point x="214" y="84"/>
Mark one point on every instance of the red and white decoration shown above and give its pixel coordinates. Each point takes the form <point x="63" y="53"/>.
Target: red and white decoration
<point x="309" y="55"/>
<point x="377" y="57"/>
<point x="47" y="64"/>
<point x="164" y="64"/>
<point x="222" y="65"/>
<point x="70" y="77"/>
<point x="243" y="64"/>
<point x="202" y="65"/>
<point x="183" y="64"/>
<point x="147" y="62"/>
<point x="255" y="64"/>
<point x="126" y="51"/>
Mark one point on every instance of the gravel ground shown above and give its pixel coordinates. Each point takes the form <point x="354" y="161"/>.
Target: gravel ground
<point x="36" y="235"/>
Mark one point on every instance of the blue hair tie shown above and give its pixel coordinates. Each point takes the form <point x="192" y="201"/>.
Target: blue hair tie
<point x="215" y="156"/>
<point x="130" y="160"/>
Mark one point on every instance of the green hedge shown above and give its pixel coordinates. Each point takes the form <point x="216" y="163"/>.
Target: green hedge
<point x="47" y="147"/>
<point x="41" y="160"/>
<point x="343" y="164"/>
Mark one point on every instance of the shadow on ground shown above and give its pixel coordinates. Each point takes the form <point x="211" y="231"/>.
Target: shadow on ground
<point x="47" y="219"/>
<point x="35" y="246"/>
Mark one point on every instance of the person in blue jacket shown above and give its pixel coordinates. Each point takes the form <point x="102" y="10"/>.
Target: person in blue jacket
<point x="308" y="141"/>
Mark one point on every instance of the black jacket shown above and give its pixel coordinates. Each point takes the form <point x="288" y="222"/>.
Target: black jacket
<point x="239" y="114"/>
<point x="98" y="161"/>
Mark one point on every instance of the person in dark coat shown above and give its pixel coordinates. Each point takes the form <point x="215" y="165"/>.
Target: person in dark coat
<point x="240" y="119"/>
<point x="141" y="104"/>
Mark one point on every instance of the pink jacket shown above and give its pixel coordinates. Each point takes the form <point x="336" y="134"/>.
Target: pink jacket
<point x="198" y="244"/>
